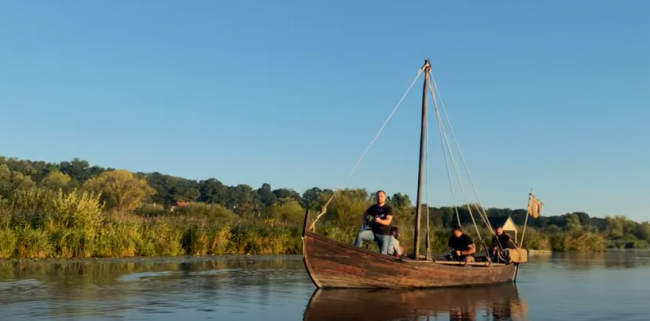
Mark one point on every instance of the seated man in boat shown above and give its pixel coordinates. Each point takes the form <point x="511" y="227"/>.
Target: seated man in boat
<point x="501" y="244"/>
<point x="378" y="218"/>
<point x="394" y="248"/>
<point x="461" y="246"/>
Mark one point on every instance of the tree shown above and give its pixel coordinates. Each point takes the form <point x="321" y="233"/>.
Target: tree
<point x="287" y="209"/>
<point x="185" y="190"/>
<point x="213" y="191"/>
<point x="120" y="189"/>
<point x="266" y="195"/>
<point x="80" y="170"/>
<point x="55" y="180"/>
<point x="643" y="231"/>
<point x="347" y="206"/>
<point x="309" y="198"/>
<point x="242" y="199"/>
<point x="160" y="183"/>
<point x="11" y="181"/>
<point x="573" y="222"/>
<point x="287" y="193"/>
<point x="400" y="201"/>
<point x="615" y="228"/>
<point x="125" y="191"/>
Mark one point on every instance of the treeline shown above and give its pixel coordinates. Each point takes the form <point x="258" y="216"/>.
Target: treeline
<point x="73" y="209"/>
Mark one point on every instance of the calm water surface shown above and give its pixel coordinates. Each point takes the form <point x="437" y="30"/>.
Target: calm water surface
<point x="577" y="287"/>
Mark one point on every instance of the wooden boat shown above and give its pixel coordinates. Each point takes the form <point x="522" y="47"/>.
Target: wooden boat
<point x="502" y="302"/>
<point x="332" y="264"/>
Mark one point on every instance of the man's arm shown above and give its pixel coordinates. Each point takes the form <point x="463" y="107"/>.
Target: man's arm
<point x="471" y="247"/>
<point x="363" y="216"/>
<point x="471" y="250"/>
<point x="388" y="219"/>
<point x="513" y="243"/>
<point x="495" y="240"/>
<point x="495" y="245"/>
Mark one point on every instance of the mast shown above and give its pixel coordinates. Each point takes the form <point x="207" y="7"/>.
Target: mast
<point x="418" y="203"/>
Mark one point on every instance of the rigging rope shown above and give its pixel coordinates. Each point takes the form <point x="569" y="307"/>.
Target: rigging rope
<point x="444" y="153"/>
<point x="427" y="187"/>
<point x="324" y="208"/>
<point x="483" y="214"/>
<point x="451" y="157"/>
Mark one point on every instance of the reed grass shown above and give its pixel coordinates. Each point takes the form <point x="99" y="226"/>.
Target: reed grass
<point x="38" y="223"/>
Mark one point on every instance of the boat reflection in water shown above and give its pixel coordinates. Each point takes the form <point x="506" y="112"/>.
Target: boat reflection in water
<point x="498" y="302"/>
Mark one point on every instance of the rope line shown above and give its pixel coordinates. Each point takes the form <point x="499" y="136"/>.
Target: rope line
<point x="451" y="157"/>
<point x="481" y="241"/>
<point x="427" y="186"/>
<point x="530" y="199"/>
<point x="484" y="214"/>
<point x="324" y="208"/>
<point x="433" y="88"/>
<point x="444" y="153"/>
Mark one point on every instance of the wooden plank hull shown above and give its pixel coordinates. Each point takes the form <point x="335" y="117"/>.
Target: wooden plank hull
<point x="333" y="264"/>
<point x="414" y="304"/>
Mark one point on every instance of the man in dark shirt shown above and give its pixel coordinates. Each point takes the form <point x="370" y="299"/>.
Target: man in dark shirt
<point x="501" y="242"/>
<point x="461" y="246"/>
<point x="376" y="224"/>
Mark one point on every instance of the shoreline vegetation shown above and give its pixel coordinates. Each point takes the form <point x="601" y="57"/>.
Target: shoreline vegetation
<point x="74" y="210"/>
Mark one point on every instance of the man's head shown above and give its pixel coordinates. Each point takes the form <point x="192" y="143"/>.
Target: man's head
<point x="381" y="197"/>
<point x="394" y="231"/>
<point x="456" y="231"/>
<point x="499" y="230"/>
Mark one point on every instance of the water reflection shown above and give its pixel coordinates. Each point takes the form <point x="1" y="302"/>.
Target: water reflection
<point x="612" y="259"/>
<point x="500" y="302"/>
<point x="195" y="287"/>
<point x="561" y="286"/>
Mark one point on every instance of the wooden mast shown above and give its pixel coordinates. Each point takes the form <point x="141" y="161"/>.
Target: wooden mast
<point x="418" y="204"/>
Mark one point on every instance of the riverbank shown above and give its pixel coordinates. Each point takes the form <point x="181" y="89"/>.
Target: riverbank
<point x="129" y="235"/>
<point x="72" y="210"/>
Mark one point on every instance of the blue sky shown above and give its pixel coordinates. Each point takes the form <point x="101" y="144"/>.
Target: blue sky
<point x="549" y="95"/>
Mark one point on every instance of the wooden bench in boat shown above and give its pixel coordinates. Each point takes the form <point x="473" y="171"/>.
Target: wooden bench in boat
<point x="445" y="262"/>
<point x="514" y="257"/>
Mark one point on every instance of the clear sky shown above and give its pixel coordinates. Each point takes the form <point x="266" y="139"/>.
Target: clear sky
<point x="549" y="95"/>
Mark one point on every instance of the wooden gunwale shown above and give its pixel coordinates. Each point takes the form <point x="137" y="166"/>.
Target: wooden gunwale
<point x="393" y="258"/>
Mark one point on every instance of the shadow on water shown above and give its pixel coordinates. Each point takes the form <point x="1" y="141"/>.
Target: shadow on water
<point x="499" y="302"/>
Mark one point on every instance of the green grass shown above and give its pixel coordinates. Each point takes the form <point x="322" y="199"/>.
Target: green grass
<point x="38" y="223"/>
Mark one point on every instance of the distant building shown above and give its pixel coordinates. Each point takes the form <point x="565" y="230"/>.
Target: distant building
<point x="506" y="223"/>
<point x="178" y="204"/>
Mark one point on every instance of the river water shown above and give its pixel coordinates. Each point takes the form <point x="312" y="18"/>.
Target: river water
<point x="577" y="286"/>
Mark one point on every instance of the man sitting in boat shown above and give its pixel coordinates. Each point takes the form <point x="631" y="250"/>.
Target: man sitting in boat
<point x="461" y="246"/>
<point x="394" y="248"/>
<point x="501" y="244"/>
<point x="378" y="218"/>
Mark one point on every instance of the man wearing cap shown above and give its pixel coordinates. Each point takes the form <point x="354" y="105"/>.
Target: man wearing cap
<point x="501" y="242"/>
<point x="461" y="246"/>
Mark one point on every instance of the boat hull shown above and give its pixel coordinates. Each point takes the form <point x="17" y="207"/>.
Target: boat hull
<point x="332" y="264"/>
